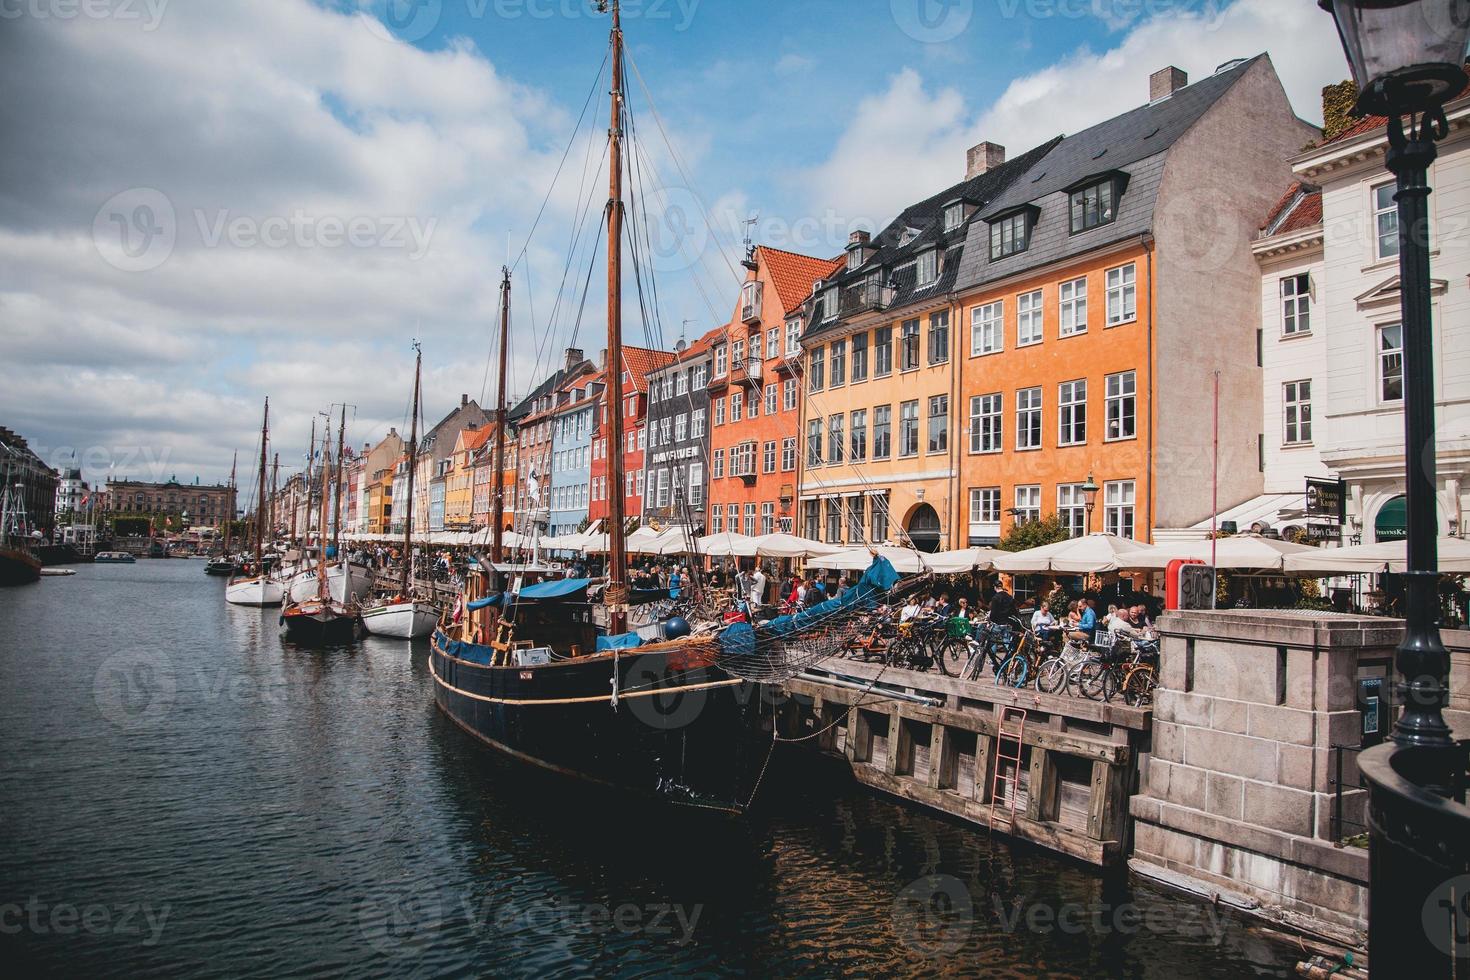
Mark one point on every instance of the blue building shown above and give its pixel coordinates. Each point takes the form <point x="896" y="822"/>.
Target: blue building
<point x="571" y="453"/>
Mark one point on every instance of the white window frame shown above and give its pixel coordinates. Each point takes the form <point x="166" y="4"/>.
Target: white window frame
<point x="1296" y="412"/>
<point x="1296" y="305"/>
<point x="987" y="423"/>
<point x="926" y="268"/>
<point x="1072" y="508"/>
<point x="1385" y="221"/>
<point x="1028" y="503"/>
<point x="1386" y="354"/>
<point x="1030" y="323"/>
<point x="1115" y="398"/>
<point x="1072" y="307"/>
<point x="1029" y="419"/>
<point x="1119" y="503"/>
<point x="1122" y="294"/>
<point x="1072" y="413"/>
<point x="987" y="328"/>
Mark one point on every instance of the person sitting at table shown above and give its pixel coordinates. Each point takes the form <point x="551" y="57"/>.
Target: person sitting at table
<point x="1042" y="620"/>
<point x="1086" y="623"/>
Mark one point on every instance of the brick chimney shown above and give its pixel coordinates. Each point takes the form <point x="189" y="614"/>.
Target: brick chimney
<point x="983" y="157"/>
<point x="574" y="357"/>
<point x="464" y="400"/>
<point x="1165" y="82"/>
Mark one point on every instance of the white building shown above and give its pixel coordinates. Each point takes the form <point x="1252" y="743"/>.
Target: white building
<point x="71" y="490"/>
<point x="1331" y="344"/>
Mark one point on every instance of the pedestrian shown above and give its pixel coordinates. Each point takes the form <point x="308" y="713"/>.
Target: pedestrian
<point x="757" y="591"/>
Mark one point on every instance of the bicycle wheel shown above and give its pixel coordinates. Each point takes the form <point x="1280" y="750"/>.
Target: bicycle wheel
<point x="1013" y="671"/>
<point x="1091" y="679"/>
<point x="1139" y="684"/>
<point x="952" y="656"/>
<point x="1051" y="676"/>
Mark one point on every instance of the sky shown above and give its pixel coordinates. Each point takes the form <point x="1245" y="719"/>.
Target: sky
<point x="204" y="203"/>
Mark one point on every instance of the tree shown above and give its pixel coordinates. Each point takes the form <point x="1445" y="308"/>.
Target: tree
<point x="1034" y="534"/>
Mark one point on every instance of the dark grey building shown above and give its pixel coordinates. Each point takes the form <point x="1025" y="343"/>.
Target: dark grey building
<point x="676" y="458"/>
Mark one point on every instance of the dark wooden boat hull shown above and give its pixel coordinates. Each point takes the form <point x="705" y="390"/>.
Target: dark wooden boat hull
<point x="703" y="743"/>
<point x="319" y="629"/>
<point x="18" y="568"/>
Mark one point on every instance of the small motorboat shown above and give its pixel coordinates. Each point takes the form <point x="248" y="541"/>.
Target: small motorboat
<point x="258" y="591"/>
<point x="221" y="565"/>
<point x="56" y="572"/>
<point x="114" y="558"/>
<point x="402" y="618"/>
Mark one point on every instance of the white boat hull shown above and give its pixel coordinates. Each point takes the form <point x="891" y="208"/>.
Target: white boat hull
<point x="347" y="583"/>
<point x="404" y="620"/>
<point x="255" y="592"/>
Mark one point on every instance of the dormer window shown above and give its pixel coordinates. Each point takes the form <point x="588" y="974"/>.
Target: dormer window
<point x="926" y="268"/>
<point x="954" y="216"/>
<point x="1011" y="233"/>
<point x="1095" y="202"/>
<point x="854" y="259"/>
<point x="829" y="303"/>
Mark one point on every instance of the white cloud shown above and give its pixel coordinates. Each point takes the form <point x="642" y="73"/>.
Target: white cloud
<point x="909" y="140"/>
<point x="793" y="64"/>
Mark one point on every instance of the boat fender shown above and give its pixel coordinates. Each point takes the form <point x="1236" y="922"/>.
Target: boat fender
<point x="676" y="627"/>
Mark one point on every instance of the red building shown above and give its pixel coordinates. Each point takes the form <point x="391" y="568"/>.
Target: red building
<point x="756" y="395"/>
<point x="638" y="363"/>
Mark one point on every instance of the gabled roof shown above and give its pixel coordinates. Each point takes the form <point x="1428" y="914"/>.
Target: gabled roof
<point x="1298" y="209"/>
<point x="472" y="439"/>
<point x="639" y="362"/>
<point x="552" y="383"/>
<point x="793" y="274"/>
<point x="695" y="350"/>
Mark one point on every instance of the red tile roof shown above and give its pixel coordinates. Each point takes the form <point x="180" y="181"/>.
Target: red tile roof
<point x="1299" y="208"/>
<point x="640" y="362"/>
<point x="794" y="274"/>
<point x="1370" y="123"/>
<point x="475" y="438"/>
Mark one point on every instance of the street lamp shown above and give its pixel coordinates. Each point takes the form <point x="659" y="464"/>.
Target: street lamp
<point x="1089" y="498"/>
<point x="1407" y="58"/>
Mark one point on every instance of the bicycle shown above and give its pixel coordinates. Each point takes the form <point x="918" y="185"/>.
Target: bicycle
<point x="1058" y="673"/>
<point x="1021" y="665"/>
<point x="1101" y="678"/>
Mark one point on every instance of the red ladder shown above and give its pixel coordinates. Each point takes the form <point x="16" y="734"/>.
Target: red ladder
<point x="1005" y="736"/>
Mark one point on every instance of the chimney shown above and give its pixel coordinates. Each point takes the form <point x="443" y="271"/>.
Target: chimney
<point x="983" y="157"/>
<point x="574" y="357"/>
<point x="464" y="400"/>
<point x="858" y="238"/>
<point x="1165" y="82"/>
<point x="602" y="359"/>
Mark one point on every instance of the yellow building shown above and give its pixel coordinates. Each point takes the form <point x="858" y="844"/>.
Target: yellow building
<point x="459" y="480"/>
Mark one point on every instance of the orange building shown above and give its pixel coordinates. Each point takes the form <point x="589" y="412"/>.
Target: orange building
<point x="756" y="395"/>
<point x="638" y="363"/>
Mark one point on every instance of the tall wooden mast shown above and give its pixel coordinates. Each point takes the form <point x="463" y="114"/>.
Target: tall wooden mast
<point x="337" y="496"/>
<point x="413" y="452"/>
<point x="497" y="535"/>
<point x="230" y="496"/>
<point x="613" y="388"/>
<point x="275" y="489"/>
<point x="260" y="504"/>
<point x="306" y="483"/>
<point x="322" y="591"/>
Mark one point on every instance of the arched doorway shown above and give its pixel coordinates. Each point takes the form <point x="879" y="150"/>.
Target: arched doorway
<point x="923" y="528"/>
<point x="1392" y="522"/>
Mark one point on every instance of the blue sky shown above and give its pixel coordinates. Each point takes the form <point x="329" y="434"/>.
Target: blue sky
<point x="205" y="203"/>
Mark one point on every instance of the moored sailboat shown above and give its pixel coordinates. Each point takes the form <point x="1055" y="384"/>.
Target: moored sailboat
<point x="18" y="565"/>
<point x="321" y="619"/>
<point x="258" y="589"/>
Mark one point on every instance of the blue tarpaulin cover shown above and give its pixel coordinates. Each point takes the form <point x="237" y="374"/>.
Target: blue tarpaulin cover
<point x="740" y="639"/>
<point x="623" y="641"/>
<point x="562" y="588"/>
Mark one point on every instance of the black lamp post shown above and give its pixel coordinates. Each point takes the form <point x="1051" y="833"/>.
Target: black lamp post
<point x="1407" y="58"/>
<point x="1089" y="498"/>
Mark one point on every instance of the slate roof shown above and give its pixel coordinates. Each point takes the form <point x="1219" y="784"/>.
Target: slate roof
<point x="1134" y="143"/>
<point x="554" y="381"/>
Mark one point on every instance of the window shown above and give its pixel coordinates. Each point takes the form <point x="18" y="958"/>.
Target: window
<point x="788" y="454"/>
<point x="882" y="352"/>
<point x="1093" y="205"/>
<point x="987" y="328"/>
<point x="737" y="406"/>
<point x="632" y="443"/>
<point x="1072" y="306"/>
<point x="811" y="518"/>
<point x="793" y="337"/>
<point x="720" y="362"/>
<point x="628" y="485"/>
<point x="716" y="520"/>
<point x="926" y="268"/>
<point x="859" y="357"/>
<point x="882" y="434"/>
<point x="985" y="512"/>
<point x="681" y="428"/>
<point x="1122" y="405"/>
<point x="814" y="442"/>
<point x="985" y="423"/>
<point x="856" y="518"/>
<point x="1072" y="508"/>
<point x="699" y="375"/>
<point x="1391" y="362"/>
<point x="768" y="518"/>
<point x="1028" y="418"/>
<point x="829" y="304"/>
<point x="773" y="342"/>
<point x="878" y="523"/>
<point x="908" y="429"/>
<point x="954" y="216"/>
<point x="742" y="459"/>
<point x="939" y="423"/>
<point x="788" y="395"/>
<point x="1028" y="318"/>
<point x="908" y="350"/>
<point x="663" y="431"/>
<point x="835" y="445"/>
<point x="854" y="258"/>
<point x="770" y="399"/>
<point x="717" y="467"/>
<point x="815" y="363"/>
<point x="1297" y="402"/>
<point x="1385" y="222"/>
<point x="858" y="443"/>
<point x="696" y="424"/>
<point x="837" y="375"/>
<point x="833" y="507"/>
<point x="737" y="353"/>
<point x="732" y="517"/>
<point x="752" y="403"/>
<point x="1122" y="294"/>
<point x="681" y="383"/>
<point x="768" y="457"/>
<point x="696" y="484"/>
<point x="1028" y="504"/>
<point x="719" y="411"/>
<point x="1009" y="235"/>
<point x="1072" y="413"/>
<point x="1118" y="508"/>
<point x="939" y="337"/>
<point x="661" y="494"/>
<point x="1296" y="305"/>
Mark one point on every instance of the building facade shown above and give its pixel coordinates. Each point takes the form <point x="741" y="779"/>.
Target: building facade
<point x="436" y="447"/>
<point x="202" y="505"/>
<point x="571" y="421"/>
<point x="755" y="391"/>
<point x="638" y="364"/>
<point x="37" y="482"/>
<point x="676" y="462"/>
<point x="532" y="420"/>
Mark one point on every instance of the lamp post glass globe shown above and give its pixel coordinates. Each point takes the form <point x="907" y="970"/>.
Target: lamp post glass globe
<point x="1406" y="55"/>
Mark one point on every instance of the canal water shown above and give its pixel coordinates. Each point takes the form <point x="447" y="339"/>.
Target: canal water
<point x="182" y="792"/>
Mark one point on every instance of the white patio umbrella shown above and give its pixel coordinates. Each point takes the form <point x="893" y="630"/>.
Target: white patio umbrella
<point x="781" y="545"/>
<point x="727" y="544"/>
<point x="1079" y="556"/>
<point x="1379" y="556"/>
<point x="1243" y="551"/>
<point x="906" y="560"/>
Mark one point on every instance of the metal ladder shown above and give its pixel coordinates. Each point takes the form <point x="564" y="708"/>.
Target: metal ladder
<point x="1005" y="735"/>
